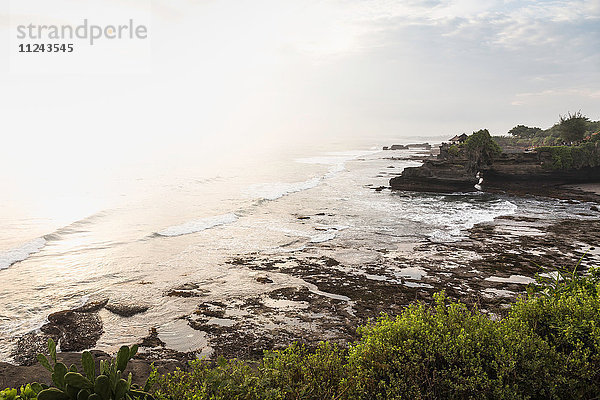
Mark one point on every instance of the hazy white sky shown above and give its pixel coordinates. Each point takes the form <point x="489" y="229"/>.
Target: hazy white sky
<point x="219" y="73"/>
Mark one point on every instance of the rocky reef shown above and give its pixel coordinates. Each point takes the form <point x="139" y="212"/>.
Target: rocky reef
<point x="408" y="146"/>
<point x="515" y="173"/>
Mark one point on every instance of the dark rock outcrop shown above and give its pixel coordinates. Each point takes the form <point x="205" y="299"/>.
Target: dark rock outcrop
<point x="126" y="310"/>
<point x="74" y="330"/>
<point x="517" y="173"/>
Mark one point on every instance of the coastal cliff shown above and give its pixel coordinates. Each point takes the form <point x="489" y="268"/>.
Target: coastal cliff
<point x="518" y="173"/>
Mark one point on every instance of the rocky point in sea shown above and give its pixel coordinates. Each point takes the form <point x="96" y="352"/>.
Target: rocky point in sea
<point x="518" y="173"/>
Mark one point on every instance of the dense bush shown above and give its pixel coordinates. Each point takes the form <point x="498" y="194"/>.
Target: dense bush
<point x="572" y="127"/>
<point x="573" y="157"/>
<point x="293" y="373"/>
<point x="523" y="136"/>
<point x="481" y="149"/>
<point x="546" y="347"/>
<point x="522" y="131"/>
<point x="27" y="392"/>
<point x="454" y="150"/>
<point x="448" y="352"/>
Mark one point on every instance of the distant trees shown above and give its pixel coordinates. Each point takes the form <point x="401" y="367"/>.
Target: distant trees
<point x="572" y="127"/>
<point x="522" y="131"/>
<point x="481" y="149"/>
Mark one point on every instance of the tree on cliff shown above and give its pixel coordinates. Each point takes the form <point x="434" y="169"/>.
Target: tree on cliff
<point x="523" y="131"/>
<point x="572" y="127"/>
<point x="481" y="149"/>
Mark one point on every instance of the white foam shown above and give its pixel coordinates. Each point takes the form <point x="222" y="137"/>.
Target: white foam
<point x="455" y="218"/>
<point x="199" y="225"/>
<point x="323" y="237"/>
<point x="8" y="258"/>
<point x="274" y="191"/>
<point x="336" y="157"/>
<point x="337" y="160"/>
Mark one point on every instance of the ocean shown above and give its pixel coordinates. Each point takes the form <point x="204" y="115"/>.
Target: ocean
<point x="135" y="234"/>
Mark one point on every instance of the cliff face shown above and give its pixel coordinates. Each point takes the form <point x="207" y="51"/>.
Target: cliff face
<point x="517" y="172"/>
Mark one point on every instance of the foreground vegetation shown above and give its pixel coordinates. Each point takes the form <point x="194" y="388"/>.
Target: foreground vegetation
<point x="546" y="347"/>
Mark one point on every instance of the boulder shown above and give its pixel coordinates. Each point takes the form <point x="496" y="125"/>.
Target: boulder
<point x="126" y="310"/>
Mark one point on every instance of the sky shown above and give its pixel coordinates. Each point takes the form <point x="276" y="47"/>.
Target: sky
<point x="239" y="75"/>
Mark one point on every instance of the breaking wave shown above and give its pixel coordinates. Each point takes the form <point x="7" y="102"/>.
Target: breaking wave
<point x="9" y="257"/>
<point x="198" y="225"/>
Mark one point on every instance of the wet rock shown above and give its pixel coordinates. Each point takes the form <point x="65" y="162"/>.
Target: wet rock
<point x="303" y="217"/>
<point x="330" y="262"/>
<point x="92" y="306"/>
<point x="29" y="345"/>
<point x="152" y="340"/>
<point x="182" y="293"/>
<point x="76" y="331"/>
<point x="292" y="294"/>
<point x="264" y="279"/>
<point x="211" y="309"/>
<point x="187" y="290"/>
<point x="187" y="286"/>
<point x="126" y="310"/>
<point x="594" y="208"/>
<point x="73" y="330"/>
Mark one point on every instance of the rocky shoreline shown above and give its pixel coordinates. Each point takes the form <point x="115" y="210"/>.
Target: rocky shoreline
<point x="487" y="270"/>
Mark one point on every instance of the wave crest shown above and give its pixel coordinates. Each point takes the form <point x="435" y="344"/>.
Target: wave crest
<point x="198" y="225"/>
<point x="8" y="258"/>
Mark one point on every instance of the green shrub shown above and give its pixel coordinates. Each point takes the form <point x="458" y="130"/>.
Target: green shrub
<point x="27" y="392"/>
<point x="292" y="373"/>
<point x="481" y="149"/>
<point x="225" y="380"/>
<point x="573" y="157"/>
<point x="454" y="150"/>
<point x="567" y="317"/>
<point x="572" y="127"/>
<point x="447" y="352"/>
<point x="296" y="373"/>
